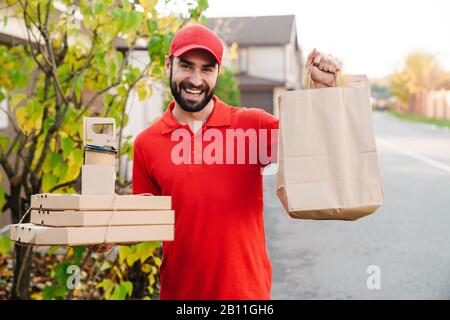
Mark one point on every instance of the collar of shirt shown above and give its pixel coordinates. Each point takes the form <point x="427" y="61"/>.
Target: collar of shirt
<point x="220" y="116"/>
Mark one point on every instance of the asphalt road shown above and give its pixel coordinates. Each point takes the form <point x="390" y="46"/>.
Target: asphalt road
<point x="408" y="238"/>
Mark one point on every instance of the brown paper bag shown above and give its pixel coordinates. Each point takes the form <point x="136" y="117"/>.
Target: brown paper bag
<point x="328" y="166"/>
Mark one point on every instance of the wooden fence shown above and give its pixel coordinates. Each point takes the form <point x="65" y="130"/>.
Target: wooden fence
<point x="431" y="104"/>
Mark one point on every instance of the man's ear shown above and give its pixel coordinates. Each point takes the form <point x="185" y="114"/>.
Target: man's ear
<point x="168" y="64"/>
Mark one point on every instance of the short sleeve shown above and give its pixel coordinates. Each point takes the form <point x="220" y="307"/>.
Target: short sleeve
<point x="142" y="182"/>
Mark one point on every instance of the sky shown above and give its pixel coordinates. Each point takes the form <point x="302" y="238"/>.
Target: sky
<point x="369" y="37"/>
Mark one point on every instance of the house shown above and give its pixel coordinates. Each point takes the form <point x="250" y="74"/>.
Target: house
<point x="264" y="53"/>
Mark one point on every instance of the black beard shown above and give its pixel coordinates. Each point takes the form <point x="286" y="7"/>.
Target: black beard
<point x="188" y="105"/>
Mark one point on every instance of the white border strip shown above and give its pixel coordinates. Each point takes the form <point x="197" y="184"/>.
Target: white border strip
<point x="427" y="160"/>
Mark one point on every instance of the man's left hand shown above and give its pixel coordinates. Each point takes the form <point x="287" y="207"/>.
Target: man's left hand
<point x="325" y="69"/>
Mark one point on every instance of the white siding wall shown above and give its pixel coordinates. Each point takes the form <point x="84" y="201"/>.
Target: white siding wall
<point x="266" y="62"/>
<point x="15" y="26"/>
<point x="292" y="67"/>
<point x="4" y="121"/>
<point x="276" y="63"/>
<point x="142" y="113"/>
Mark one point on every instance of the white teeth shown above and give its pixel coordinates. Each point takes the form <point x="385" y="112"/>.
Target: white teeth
<point x="193" y="91"/>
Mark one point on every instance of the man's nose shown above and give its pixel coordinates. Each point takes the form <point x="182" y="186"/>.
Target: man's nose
<point x="196" y="78"/>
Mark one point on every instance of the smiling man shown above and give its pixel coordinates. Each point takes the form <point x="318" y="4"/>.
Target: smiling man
<point x="219" y="251"/>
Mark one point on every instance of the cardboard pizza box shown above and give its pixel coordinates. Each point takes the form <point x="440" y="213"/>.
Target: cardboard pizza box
<point x="49" y="201"/>
<point x="98" y="179"/>
<point x="73" y="218"/>
<point x="28" y="233"/>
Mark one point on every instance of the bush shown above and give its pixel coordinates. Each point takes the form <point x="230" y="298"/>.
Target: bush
<point x="227" y="88"/>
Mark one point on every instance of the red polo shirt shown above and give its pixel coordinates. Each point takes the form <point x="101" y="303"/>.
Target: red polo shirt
<point x="219" y="251"/>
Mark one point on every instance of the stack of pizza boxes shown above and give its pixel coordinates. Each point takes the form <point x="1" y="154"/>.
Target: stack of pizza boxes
<point x="98" y="215"/>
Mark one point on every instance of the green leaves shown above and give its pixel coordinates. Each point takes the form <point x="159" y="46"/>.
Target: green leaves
<point x="61" y="171"/>
<point x="142" y="89"/>
<point x="128" y="21"/>
<point x="51" y="161"/>
<point x="67" y="147"/>
<point x="127" y="148"/>
<point x="48" y="182"/>
<point x="227" y="88"/>
<point x="55" y="170"/>
<point x="114" y="291"/>
<point x="78" y="254"/>
<point x="4" y="142"/>
<point x="16" y="66"/>
<point x="5" y="244"/>
<point x="196" y="11"/>
<point x="29" y="117"/>
<point x="61" y="272"/>
<point x="59" y="290"/>
<point x="16" y="99"/>
<point x="79" y="82"/>
<point x="61" y="167"/>
<point x="155" y="46"/>
<point x="149" y="6"/>
<point x="152" y="26"/>
<point x="133" y="21"/>
<point x="122" y="290"/>
<point x="140" y="252"/>
<point x="75" y="160"/>
<point x="54" y="292"/>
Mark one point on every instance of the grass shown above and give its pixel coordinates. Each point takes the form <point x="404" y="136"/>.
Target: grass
<point x="416" y="118"/>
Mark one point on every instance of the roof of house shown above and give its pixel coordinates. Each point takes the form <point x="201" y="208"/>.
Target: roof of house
<point x="251" y="31"/>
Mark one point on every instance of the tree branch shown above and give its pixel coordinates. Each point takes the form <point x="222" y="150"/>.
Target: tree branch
<point x="62" y="185"/>
<point x="114" y="84"/>
<point x="11" y="147"/>
<point x="10" y="173"/>
<point x="51" y="58"/>
<point x="97" y="94"/>
<point x="11" y="119"/>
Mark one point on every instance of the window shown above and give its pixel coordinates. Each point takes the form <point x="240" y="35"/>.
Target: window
<point x="243" y="60"/>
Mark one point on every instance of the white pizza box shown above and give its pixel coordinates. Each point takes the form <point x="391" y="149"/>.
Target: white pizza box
<point x="92" y="157"/>
<point x="49" y="201"/>
<point x="29" y="233"/>
<point x="73" y="218"/>
<point x="98" y="179"/>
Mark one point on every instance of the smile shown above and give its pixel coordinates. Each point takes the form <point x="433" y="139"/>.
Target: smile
<point x="193" y="91"/>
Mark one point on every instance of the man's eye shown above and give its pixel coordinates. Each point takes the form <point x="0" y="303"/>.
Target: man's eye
<point x="207" y="69"/>
<point x="186" y="66"/>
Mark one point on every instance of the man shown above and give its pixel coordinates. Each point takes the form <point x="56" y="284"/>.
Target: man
<point x="219" y="251"/>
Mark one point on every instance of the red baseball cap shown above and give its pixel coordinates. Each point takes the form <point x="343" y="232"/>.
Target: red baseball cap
<point x="196" y="37"/>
